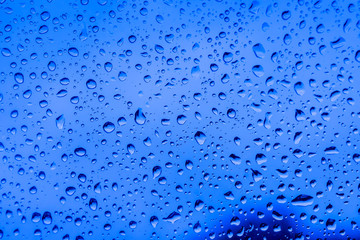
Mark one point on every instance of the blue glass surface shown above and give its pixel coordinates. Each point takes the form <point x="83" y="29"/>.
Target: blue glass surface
<point x="167" y="119"/>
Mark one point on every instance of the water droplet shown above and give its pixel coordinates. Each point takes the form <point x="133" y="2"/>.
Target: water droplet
<point x="257" y="176"/>
<point x="181" y="119"/>
<point x="80" y="152"/>
<point x="236" y="160"/>
<point x="299" y="88"/>
<point x="52" y="66"/>
<point x="46" y="218"/>
<point x="231" y="113"/>
<point x="154" y="221"/>
<point x="302" y="200"/>
<point x="121" y="121"/>
<point x="159" y="49"/>
<point x="189" y="165"/>
<point x="340" y="42"/>
<point x="43" y="29"/>
<point x="299" y="115"/>
<point x="19" y="78"/>
<point x="6" y="52"/>
<point x="197" y="227"/>
<point x="214" y="67"/>
<point x="60" y="122"/>
<point x="335" y="95"/>
<point x="93" y="204"/>
<point x="199" y="205"/>
<point x="122" y="76"/>
<point x="195" y="71"/>
<point x="260" y="158"/>
<point x="73" y="52"/>
<point x="159" y="19"/>
<point x="70" y="191"/>
<point x="132" y="224"/>
<point x="259" y="50"/>
<point x="200" y="137"/>
<point x="156" y="171"/>
<point x="258" y="70"/>
<point x="173" y="217"/>
<point x="356" y="157"/>
<point x="108" y="127"/>
<point x="108" y="67"/>
<point x="140" y="117"/>
<point x="331" y="224"/>
<point x="357" y="56"/>
<point x="91" y="84"/>
<point x="286" y="15"/>
<point x="228" y="57"/>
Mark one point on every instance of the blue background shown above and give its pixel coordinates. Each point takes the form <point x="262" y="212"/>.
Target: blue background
<point x="179" y="119"/>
